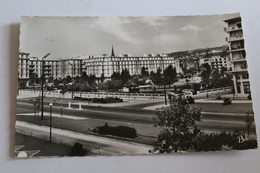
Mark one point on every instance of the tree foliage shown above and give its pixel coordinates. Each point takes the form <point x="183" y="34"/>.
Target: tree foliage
<point x="125" y="76"/>
<point x="157" y="77"/>
<point x="205" y="72"/>
<point x="179" y="123"/>
<point x="169" y="75"/>
<point x="144" y="72"/>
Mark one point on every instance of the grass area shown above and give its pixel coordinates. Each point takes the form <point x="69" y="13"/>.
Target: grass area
<point x="218" y="107"/>
<point x="46" y="148"/>
<point x="145" y="134"/>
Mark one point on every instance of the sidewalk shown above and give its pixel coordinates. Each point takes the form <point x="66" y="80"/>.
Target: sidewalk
<point x="99" y="145"/>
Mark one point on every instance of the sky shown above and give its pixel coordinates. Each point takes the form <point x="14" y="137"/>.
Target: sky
<point x="65" y="37"/>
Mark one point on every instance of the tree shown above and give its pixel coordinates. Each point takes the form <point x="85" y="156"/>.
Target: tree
<point x="156" y="77"/>
<point x="102" y="77"/>
<point x="144" y="72"/>
<point x="84" y="77"/>
<point x="169" y="75"/>
<point x="68" y="79"/>
<point x="77" y="150"/>
<point x="248" y="119"/>
<point x="117" y="84"/>
<point x="179" y="123"/>
<point x="33" y="77"/>
<point x="158" y="80"/>
<point x="205" y="73"/>
<point x="91" y="79"/>
<point x="125" y="76"/>
<point x="215" y="78"/>
<point x="116" y="76"/>
<point x="85" y="87"/>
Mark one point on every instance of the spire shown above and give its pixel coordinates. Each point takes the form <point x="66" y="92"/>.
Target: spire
<point x="112" y="53"/>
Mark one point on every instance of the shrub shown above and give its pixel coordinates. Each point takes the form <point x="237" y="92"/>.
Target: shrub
<point x="121" y="131"/>
<point x="190" y="100"/>
<point x="77" y="150"/>
<point x="227" y="101"/>
<point x="250" y="144"/>
<point x="215" y="142"/>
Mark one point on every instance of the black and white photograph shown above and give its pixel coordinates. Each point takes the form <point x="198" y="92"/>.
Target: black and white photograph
<point x="137" y="85"/>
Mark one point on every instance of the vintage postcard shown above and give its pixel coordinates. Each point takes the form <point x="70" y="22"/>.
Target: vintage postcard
<point x="90" y="86"/>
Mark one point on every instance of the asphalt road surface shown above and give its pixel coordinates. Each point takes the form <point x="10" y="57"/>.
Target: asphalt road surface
<point x="214" y="122"/>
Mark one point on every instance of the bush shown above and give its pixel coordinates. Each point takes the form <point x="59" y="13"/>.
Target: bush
<point x="250" y="144"/>
<point x="77" y="150"/>
<point x="227" y="101"/>
<point x="107" y="100"/>
<point x="215" y="142"/>
<point x="121" y="131"/>
<point x="190" y="100"/>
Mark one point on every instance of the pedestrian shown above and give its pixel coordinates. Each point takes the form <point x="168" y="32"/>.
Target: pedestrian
<point x="207" y="95"/>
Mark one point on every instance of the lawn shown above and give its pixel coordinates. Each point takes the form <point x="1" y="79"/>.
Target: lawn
<point x="146" y="133"/>
<point x="46" y="148"/>
<point x="218" y="107"/>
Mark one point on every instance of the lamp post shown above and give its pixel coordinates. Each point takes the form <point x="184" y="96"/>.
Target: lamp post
<point x="61" y="107"/>
<point x="50" y="118"/>
<point x="164" y="89"/>
<point x="43" y="81"/>
<point x="72" y="72"/>
<point x="187" y="83"/>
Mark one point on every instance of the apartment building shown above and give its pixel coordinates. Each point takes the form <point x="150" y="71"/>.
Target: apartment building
<point x="217" y="62"/>
<point x="237" y="55"/>
<point x="23" y="69"/>
<point x="97" y="65"/>
<point x="107" y="65"/>
<point x="33" y="67"/>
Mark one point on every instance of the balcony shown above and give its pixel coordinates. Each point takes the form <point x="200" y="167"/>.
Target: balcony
<point x="238" y="59"/>
<point x="232" y="29"/>
<point x="242" y="80"/>
<point x="239" y="70"/>
<point x="235" y="49"/>
<point x="239" y="38"/>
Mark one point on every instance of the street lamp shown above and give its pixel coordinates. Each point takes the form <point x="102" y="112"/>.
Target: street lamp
<point x="61" y="107"/>
<point x="72" y="72"/>
<point x="43" y="81"/>
<point x="187" y="83"/>
<point x="164" y="89"/>
<point x="165" y="97"/>
<point x="50" y="118"/>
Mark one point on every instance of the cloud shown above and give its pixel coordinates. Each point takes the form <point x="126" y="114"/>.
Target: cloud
<point x="117" y="27"/>
<point x="191" y="28"/>
<point x="154" y="21"/>
<point x="166" y="38"/>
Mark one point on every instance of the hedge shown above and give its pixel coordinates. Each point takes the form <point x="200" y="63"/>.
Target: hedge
<point x="121" y="131"/>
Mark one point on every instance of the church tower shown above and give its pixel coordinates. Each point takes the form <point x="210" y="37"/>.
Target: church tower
<point x="112" y="53"/>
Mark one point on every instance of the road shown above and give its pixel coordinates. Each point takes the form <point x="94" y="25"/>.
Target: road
<point x="214" y="122"/>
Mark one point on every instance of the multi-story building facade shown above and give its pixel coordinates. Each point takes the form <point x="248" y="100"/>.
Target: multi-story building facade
<point x="23" y="69"/>
<point x="217" y="62"/>
<point x="104" y="66"/>
<point x="238" y="56"/>
<point x="32" y="67"/>
<point x="93" y="65"/>
<point x="107" y="65"/>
